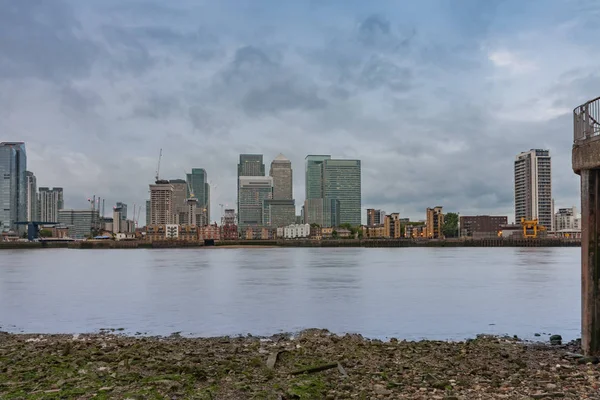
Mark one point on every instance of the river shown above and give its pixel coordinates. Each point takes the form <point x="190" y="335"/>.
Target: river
<point x="408" y="293"/>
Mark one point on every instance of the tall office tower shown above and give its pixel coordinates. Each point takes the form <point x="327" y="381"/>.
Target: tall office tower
<point x="32" y="197"/>
<point x="281" y="172"/>
<point x="198" y="183"/>
<point x="250" y="165"/>
<point x="50" y="202"/>
<point x="342" y="192"/>
<point x="148" y="212"/>
<point x="180" y="195"/>
<point x="161" y="203"/>
<point x="123" y="208"/>
<point x="533" y="187"/>
<point x="313" y="204"/>
<point x="13" y="185"/>
<point x="118" y="222"/>
<point x="253" y="192"/>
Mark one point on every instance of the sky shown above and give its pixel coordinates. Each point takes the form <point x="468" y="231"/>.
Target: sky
<point x="436" y="98"/>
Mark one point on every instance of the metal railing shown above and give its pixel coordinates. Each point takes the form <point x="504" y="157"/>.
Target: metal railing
<point x="585" y="120"/>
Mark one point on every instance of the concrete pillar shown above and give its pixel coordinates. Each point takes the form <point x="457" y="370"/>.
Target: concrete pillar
<point x="590" y="261"/>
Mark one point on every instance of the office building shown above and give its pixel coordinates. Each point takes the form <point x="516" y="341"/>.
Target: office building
<point x="13" y="185"/>
<point x="481" y="226"/>
<point x="313" y="211"/>
<point x="281" y="172"/>
<point x="32" y="197"/>
<point x="253" y="190"/>
<point x="50" y="202"/>
<point x="279" y="213"/>
<point x="161" y="203"/>
<point x="200" y="188"/>
<point x="342" y="192"/>
<point x="249" y="165"/>
<point x="533" y="187"/>
<point x="180" y="194"/>
<point x="81" y="223"/>
<point x="123" y="207"/>
<point x="435" y="223"/>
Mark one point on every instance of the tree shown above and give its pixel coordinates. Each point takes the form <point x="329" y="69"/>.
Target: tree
<point x="45" y="233"/>
<point x="450" y="228"/>
<point x="334" y="234"/>
<point x="315" y="225"/>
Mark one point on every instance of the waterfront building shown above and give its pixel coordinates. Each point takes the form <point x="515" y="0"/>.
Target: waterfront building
<point x="229" y="217"/>
<point x="342" y="192"/>
<point x="375" y="217"/>
<point x="374" y="231"/>
<point x="435" y="223"/>
<point x="413" y="231"/>
<point x="229" y="232"/>
<point x="481" y="226"/>
<point x="392" y="226"/>
<point x="50" y="201"/>
<point x="567" y="219"/>
<point x="281" y="172"/>
<point x="161" y="203"/>
<point x="13" y="185"/>
<point x="313" y="211"/>
<point x="81" y="223"/>
<point x="209" y="232"/>
<point x="198" y="182"/>
<point x="252" y="193"/>
<point x="279" y="213"/>
<point x="533" y="187"/>
<point x="296" y="231"/>
<point x="32" y="200"/>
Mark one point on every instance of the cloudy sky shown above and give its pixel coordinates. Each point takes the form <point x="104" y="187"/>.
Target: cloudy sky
<point x="435" y="97"/>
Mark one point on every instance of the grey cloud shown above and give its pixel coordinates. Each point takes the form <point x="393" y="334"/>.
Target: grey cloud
<point x="42" y="39"/>
<point x="281" y="96"/>
<point x="379" y="72"/>
<point x="157" y="107"/>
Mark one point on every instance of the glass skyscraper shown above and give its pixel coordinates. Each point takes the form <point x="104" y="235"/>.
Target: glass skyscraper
<point x="342" y="191"/>
<point x="13" y="185"/>
<point x="198" y="181"/>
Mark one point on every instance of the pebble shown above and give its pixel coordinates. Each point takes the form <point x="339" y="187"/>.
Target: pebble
<point x="380" y="389"/>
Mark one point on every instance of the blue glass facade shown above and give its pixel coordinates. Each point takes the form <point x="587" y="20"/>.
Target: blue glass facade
<point x="13" y="185"/>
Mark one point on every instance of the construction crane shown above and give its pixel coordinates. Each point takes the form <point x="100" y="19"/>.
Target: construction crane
<point x="158" y="167"/>
<point x="531" y="228"/>
<point x="190" y="189"/>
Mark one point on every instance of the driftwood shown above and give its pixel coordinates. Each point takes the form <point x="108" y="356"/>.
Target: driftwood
<point x="315" y="369"/>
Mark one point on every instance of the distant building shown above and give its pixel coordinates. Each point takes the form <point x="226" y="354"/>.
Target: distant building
<point x="249" y="165"/>
<point x="209" y="232"/>
<point x="180" y="195"/>
<point x="392" y="226"/>
<point x="281" y="172"/>
<point x="413" y="231"/>
<point x="342" y="191"/>
<point x="198" y="182"/>
<point x="50" y="202"/>
<point x="123" y="207"/>
<point x="229" y="232"/>
<point x="533" y="187"/>
<point x="481" y="226"/>
<point x="13" y="185"/>
<point x="374" y="232"/>
<point x="81" y="223"/>
<point x="229" y="217"/>
<point x="161" y="203"/>
<point x="295" y="231"/>
<point x="253" y="190"/>
<point x="31" y="193"/>
<point x="567" y="219"/>
<point x="279" y="213"/>
<point x="435" y="223"/>
<point x="373" y="217"/>
<point x="314" y="196"/>
<point x="313" y="211"/>
<point x="148" y="213"/>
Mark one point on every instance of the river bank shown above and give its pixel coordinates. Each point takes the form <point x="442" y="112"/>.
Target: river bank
<point x="140" y="244"/>
<point x="313" y="365"/>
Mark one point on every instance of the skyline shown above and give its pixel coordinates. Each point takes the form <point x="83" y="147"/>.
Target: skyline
<point x="355" y="80"/>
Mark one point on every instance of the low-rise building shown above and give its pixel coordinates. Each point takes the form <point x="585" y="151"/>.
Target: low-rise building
<point x="374" y="232"/>
<point x="210" y="232"/>
<point x="481" y="226"/>
<point x="415" y="231"/>
<point x="435" y="223"/>
<point x="567" y="219"/>
<point x="229" y="232"/>
<point x="124" y="236"/>
<point x="392" y="226"/>
<point x="295" y="231"/>
<point x="343" y="233"/>
<point x="327" y="232"/>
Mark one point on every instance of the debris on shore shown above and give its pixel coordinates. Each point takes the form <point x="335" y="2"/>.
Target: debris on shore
<point x="312" y="365"/>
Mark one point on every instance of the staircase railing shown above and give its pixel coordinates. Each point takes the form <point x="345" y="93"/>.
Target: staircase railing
<point x="585" y="120"/>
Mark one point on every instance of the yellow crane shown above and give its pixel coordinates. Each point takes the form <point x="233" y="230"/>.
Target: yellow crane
<point x="531" y="228"/>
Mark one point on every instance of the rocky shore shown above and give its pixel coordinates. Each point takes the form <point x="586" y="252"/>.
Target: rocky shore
<point x="312" y="365"/>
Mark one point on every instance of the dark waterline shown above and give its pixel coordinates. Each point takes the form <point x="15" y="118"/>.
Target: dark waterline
<point x="410" y="293"/>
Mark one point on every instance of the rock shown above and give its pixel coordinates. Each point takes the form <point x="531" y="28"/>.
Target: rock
<point x="556" y="339"/>
<point x="537" y="335"/>
<point x="551" y="386"/>
<point x="586" y="360"/>
<point x="380" y="389"/>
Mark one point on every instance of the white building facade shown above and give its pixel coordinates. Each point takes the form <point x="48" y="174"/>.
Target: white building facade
<point x="295" y="231"/>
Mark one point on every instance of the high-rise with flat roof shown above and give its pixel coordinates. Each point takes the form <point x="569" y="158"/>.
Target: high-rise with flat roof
<point x="198" y="182"/>
<point x="13" y="185"/>
<point x="161" y="203"/>
<point x="123" y="207"/>
<point x="342" y="183"/>
<point x="281" y="172"/>
<point x="148" y="212"/>
<point x="81" y="223"/>
<point x="249" y="165"/>
<point x="253" y="190"/>
<point x="533" y="187"/>
<point x="32" y="197"/>
<point x="50" y="202"/>
<point x="314" y="202"/>
<point x="435" y="223"/>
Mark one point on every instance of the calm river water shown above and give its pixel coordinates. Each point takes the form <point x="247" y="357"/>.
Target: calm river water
<point x="409" y="293"/>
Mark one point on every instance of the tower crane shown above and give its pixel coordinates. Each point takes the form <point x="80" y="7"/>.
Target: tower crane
<point x="158" y="167"/>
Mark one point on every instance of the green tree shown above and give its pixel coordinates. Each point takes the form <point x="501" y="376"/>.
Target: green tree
<point x="45" y="233"/>
<point x="450" y="228"/>
<point x="334" y="234"/>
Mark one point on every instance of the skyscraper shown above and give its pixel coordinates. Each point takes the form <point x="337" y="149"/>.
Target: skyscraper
<point x="148" y="212"/>
<point x="281" y="172"/>
<point x="13" y="185"/>
<point x="253" y="190"/>
<point x="50" y="202"/>
<point x="123" y="208"/>
<point x="32" y="200"/>
<point x="250" y="165"/>
<point x="342" y="183"/>
<point x="533" y="187"/>
<point x="198" y="182"/>
<point x="180" y="194"/>
<point x="161" y="203"/>
<point x="313" y="205"/>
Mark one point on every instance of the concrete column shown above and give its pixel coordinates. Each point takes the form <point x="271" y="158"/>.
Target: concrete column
<point x="590" y="261"/>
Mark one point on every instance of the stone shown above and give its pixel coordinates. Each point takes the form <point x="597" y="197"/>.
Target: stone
<point x="556" y="339"/>
<point x="588" y="360"/>
<point x="380" y="389"/>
